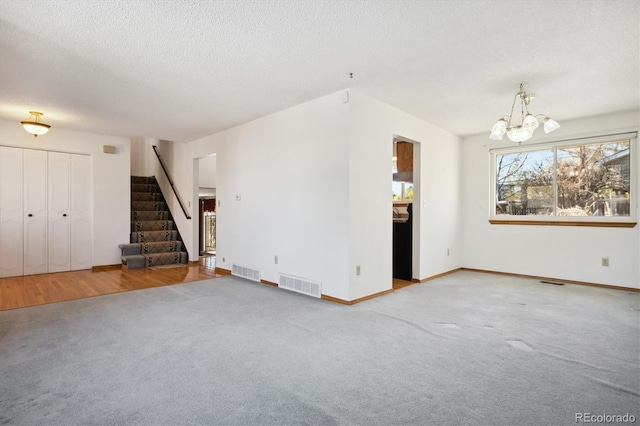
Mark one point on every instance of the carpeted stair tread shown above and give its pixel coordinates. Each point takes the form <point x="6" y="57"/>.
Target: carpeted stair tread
<point x="165" y="258"/>
<point x="142" y="179"/>
<point x="152" y="225"/>
<point x="145" y="196"/>
<point x="147" y="205"/>
<point x="130" y="249"/>
<point x="133" y="261"/>
<point x="144" y="187"/>
<point x="147" y="248"/>
<point x="149" y="215"/>
<point x="161" y="247"/>
<point x="153" y="236"/>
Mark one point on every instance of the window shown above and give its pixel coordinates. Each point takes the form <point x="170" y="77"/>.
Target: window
<point x="587" y="181"/>
<point x="402" y="187"/>
<point x="402" y="190"/>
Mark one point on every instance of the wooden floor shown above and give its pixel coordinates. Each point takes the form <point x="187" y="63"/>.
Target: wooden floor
<point x="19" y="292"/>
<point x="32" y="290"/>
<point x="398" y="284"/>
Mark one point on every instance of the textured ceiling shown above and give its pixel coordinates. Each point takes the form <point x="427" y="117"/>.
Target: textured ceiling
<point x="180" y="70"/>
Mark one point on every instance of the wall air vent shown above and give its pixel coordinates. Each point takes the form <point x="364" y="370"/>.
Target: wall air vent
<point x="300" y="285"/>
<point x="245" y="272"/>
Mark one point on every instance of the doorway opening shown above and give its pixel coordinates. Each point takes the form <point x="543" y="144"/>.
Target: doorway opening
<point x="405" y="212"/>
<point x="207" y="224"/>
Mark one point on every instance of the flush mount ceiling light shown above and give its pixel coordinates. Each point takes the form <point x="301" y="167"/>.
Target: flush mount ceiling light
<point x="529" y="122"/>
<point x="35" y="126"/>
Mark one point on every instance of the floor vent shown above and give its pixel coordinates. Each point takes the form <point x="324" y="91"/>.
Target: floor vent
<point x="300" y="285"/>
<point x="244" y="272"/>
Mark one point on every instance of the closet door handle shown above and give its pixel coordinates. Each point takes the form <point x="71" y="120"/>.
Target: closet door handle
<point x="30" y="215"/>
<point x="64" y="215"/>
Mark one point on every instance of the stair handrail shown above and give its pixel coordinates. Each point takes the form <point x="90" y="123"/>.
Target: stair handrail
<point x="175" y="190"/>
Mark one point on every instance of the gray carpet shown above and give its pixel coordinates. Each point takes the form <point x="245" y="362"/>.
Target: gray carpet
<point x="468" y="348"/>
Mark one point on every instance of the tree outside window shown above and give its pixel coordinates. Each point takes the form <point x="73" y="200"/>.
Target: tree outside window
<point x="591" y="179"/>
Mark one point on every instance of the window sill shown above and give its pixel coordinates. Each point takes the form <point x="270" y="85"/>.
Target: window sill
<point x="562" y="223"/>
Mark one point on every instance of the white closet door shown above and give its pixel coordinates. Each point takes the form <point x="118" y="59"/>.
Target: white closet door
<point x="59" y="203"/>
<point x="11" y="229"/>
<point x="81" y="244"/>
<point x="35" y="211"/>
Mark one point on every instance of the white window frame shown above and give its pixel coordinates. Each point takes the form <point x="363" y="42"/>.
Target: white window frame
<point x="614" y="221"/>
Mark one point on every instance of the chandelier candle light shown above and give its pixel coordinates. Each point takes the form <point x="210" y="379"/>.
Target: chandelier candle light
<point x="35" y="126"/>
<point x="521" y="132"/>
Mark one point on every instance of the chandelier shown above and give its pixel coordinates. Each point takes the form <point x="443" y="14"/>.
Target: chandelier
<point x="529" y="122"/>
<point x="35" y="126"/>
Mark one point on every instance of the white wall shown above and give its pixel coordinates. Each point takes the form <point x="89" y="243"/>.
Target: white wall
<point x="111" y="183"/>
<point x="144" y="161"/>
<point x="139" y="156"/>
<point x="563" y="252"/>
<point x="291" y="171"/>
<point x="207" y="172"/>
<point x="315" y="188"/>
<point x="437" y="216"/>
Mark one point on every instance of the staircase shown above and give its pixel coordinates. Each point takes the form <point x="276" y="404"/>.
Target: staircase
<point x="154" y="237"/>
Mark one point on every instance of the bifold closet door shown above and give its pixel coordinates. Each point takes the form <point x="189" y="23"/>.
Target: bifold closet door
<point x="34" y="191"/>
<point x="59" y="209"/>
<point x="69" y="212"/>
<point x="11" y="217"/>
<point x="45" y="212"/>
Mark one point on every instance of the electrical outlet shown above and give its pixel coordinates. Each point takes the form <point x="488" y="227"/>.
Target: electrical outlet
<point x="448" y="252"/>
<point x="358" y="270"/>
<point x="605" y="261"/>
<point x="223" y="259"/>
<point x="275" y="259"/>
